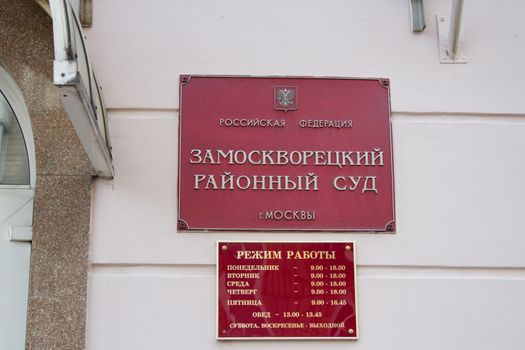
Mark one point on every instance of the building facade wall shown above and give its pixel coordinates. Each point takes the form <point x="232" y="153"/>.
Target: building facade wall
<point x="453" y="275"/>
<point x="59" y="251"/>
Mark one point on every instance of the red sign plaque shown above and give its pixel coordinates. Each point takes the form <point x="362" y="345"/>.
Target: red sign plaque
<point x="303" y="154"/>
<point x="286" y="290"/>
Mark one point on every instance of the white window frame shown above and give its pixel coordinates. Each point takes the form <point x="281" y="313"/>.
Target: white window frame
<point x="14" y="97"/>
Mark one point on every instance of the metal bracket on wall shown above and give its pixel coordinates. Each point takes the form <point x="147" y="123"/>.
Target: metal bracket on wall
<point x="418" y="15"/>
<point x="85" y="13"/>
<point x="21" y="233"/>
<point x="445" y="53"/>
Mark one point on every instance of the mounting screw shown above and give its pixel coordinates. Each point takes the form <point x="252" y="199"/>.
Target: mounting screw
<point x="351" y="331"/>
<point x="348" y="247"/>
<point x="182" y="225"/>
<point x="224" y="247"/>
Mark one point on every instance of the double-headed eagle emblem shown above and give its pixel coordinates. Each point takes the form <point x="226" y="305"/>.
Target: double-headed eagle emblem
<point x="285" y="97"/>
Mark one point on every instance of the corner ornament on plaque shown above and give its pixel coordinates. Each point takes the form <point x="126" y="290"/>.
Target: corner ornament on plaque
<point x="285" y="98"/>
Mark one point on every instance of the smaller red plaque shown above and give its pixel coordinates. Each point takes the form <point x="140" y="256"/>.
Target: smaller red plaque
<point x="286" y="290"/>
